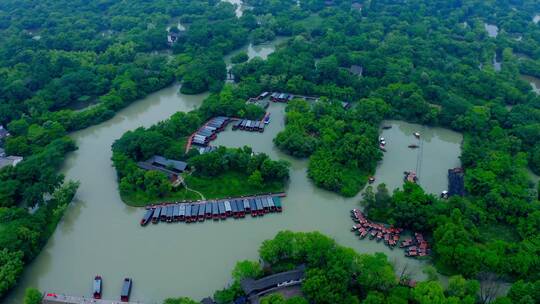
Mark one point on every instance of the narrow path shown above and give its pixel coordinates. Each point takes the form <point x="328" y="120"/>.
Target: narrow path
<point x="192" y="190"/>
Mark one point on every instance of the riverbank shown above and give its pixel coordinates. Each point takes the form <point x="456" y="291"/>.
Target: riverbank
<point x="229" y="184"/>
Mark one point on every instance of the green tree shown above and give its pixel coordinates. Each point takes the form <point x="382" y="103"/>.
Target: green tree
<point x="32" y="296"/>
<point x="182" y="300"/>
<point x="11" y="266"/>
<point x="429" y="293"/>
<point x="255" y="180"/>
<point x="246" y="269"/>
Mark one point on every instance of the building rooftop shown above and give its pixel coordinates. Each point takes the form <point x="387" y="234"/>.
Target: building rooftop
<point x="207" y="301"/>
<point x="9" y="161"/>
<point x="3" y="132"/>
<point x="356" y="70"/>
<point x="253" y="286"/>
<point x="160" y="163"/>
<point x="157" y="160"/>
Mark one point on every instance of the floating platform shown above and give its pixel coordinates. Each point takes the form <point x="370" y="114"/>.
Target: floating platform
<point x="199" y="211"/>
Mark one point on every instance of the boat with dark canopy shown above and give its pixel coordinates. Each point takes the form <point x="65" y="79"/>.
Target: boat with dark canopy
<point x="147" y="216"/>
<point x="126" y="290"/>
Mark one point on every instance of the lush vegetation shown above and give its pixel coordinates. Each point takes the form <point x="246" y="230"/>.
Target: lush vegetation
<point x="66" y="65"/>
<point x="221" y="173"/>
<point x="467" y="238"/>
<point x="335" y="274"/>
<point x="23" y="234"/>
<point x="32" y="296"/>
<point x="342" y="144"/>
<point x="427" y="61"/>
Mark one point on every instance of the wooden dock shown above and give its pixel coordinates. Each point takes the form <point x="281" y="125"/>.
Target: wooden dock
<point x="55" y="298"/>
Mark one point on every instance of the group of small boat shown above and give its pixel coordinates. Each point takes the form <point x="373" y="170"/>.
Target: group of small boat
<point x="252" y="125"/>
<point x="209" y="131"/>
<point x="382" y="141"/>
<point x="414" y="247"/>
<point x="365" y="228"/>
<point x="200" y="211"/>
<point x="124" y="295"/>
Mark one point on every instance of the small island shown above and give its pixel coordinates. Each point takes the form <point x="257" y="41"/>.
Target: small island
<point x="160" y="164"/>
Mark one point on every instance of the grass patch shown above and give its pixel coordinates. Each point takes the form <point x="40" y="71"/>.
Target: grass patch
<point x="141" y="198"/>
<point x="354" y="180"/>
<point x="498" y="232"/>
<point x="229" y="184"/>
<point x="311" y="22"/>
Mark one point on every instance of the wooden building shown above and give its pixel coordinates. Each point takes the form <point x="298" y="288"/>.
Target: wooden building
<point x="172" y="168"/>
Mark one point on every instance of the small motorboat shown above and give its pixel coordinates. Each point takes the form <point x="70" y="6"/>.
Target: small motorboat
<point x="416" y="134"/>
<point x="383" y="143"/>
<point x="413" y="146"/>
<point x="371" y="179"/>
<point x="267" y="119"/>
<point x="444" y="194"/>
<point x="386" y="127"/>
<point x="97" y="287"/>
<point x="381" y="139"/>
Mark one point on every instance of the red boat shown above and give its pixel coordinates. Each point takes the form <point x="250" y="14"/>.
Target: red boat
<point x="97" y="287"/>
<point x="406" y="243"/>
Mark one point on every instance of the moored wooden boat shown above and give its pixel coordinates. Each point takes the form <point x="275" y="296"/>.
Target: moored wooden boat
<point x="147" y="217"/>
<point x="157" y="213"/>
<point x="126" y="290"/>
<point x="97" y="286"/>
<point x="363" y="234"/>
<point x="277" y="202"/>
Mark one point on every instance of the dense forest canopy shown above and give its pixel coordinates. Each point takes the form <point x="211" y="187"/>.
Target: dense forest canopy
<point x="423" y="61"/>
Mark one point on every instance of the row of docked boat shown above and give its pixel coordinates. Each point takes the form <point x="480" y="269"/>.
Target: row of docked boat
<point x="209" y="131"/>
<point x="216" y="209"/>
<point x="124" y="295"/>
<point x="414" y="247"/>
<point x="252" y="125"/>
<point x="365" y="228"/>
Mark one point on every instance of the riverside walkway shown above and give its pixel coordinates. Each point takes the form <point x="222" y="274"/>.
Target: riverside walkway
<point x="54" y="298"/>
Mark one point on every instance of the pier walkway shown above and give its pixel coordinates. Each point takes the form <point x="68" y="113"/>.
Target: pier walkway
<point x="54" y="298"/>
